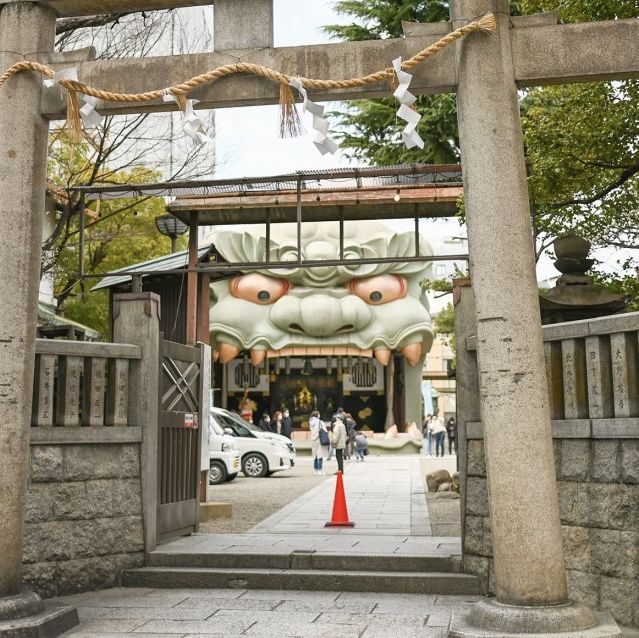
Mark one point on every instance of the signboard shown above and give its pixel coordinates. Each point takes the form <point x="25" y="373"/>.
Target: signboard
<point x="191" y="420"/>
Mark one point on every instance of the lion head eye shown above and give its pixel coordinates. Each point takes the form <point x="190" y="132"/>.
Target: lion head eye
<point x="380" y="289"/>
<point x="258" y="289"/>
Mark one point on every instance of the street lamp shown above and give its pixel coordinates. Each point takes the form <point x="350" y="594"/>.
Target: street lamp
<point x="170" y="227"/>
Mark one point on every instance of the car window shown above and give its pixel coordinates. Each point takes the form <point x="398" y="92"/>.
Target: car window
<point x="238" y="420"/>
<point x="215" y="426"/>
<point x="238" y="430"/>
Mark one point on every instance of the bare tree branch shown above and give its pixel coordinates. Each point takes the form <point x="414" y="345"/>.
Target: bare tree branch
<point x="622" y="179"/>
<point x="66" y="25"/>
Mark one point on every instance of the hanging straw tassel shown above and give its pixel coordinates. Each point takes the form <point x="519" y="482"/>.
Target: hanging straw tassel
<point x="75" y="129"/>
<point x="290" y="125"/>
<point x="180" y="99"/>
<point x="488" y="23"/>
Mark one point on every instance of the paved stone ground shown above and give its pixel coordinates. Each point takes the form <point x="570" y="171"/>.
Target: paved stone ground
<point x="384" y="494"/>
<point x="385" y="498"/>
<point x="379" y="478"/>
<point x="230" y="613"/>
<point x="255" y="499"/>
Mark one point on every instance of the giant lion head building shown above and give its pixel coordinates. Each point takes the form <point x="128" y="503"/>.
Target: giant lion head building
<point x="327" y="336"/>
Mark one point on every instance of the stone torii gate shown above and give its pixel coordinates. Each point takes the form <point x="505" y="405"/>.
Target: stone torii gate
<point x="486" y="72"/>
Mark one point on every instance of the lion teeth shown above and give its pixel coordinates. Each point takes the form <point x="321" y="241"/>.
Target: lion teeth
<point x="257" y="356"/>
<point x="412" y="353"/>
<point x="228" y="352"/>
<point x="382" y="355"/>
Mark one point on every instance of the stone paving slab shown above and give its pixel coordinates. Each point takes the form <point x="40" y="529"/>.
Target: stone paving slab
<point x="385" y="542"/>
<point x="260" y="630"/>
<point x="385" y="493"/>
<point x="214" y="604"/>
<point x="263" y="613"/>
<point x="337" y="606"/>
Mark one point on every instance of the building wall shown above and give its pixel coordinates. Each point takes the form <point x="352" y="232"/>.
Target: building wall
<point x="435" y="371"/>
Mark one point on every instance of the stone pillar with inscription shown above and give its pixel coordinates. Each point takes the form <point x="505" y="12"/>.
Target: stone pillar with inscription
<point x="26" y="29"/>
<point x="530" y="574"/>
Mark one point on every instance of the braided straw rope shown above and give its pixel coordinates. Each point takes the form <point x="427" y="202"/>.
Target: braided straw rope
<point x="486" y="24"/>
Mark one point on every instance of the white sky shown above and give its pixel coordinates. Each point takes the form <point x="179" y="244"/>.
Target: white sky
<point x="247" y="138"/>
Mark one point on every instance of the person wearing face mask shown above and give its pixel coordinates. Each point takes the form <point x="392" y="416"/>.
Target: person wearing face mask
<point x="287" y="424"/>
<point x="265" y="422"/>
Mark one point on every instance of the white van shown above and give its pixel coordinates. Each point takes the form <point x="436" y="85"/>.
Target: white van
<point x="262" y="454"/>
<point x="224" y="456"/>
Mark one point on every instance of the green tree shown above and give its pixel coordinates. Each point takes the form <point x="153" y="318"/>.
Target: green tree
<point x="445" y="325"/>
<point x="368" y="129"/>
<point x="117" y="233"/>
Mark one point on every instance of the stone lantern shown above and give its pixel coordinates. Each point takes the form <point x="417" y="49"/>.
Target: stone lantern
<point x="575" y="296"/>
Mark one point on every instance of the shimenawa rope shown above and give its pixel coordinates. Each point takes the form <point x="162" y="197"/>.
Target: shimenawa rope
<point x="289" y="121"/>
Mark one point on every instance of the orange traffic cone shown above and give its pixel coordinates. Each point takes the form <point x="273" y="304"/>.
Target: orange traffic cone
<point x="340" y="513"/>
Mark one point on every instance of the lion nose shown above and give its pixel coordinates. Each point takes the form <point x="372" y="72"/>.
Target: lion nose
<point x="320" y="315"/>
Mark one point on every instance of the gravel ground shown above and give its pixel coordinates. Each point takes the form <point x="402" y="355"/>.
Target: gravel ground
<point x="254" y="499"/>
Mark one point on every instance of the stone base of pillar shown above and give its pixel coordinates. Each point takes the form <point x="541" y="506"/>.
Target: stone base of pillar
<point x="491" y="619"/>
<point x="25" y="615"/>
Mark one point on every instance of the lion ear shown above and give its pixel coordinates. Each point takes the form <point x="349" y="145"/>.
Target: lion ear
<point x="240" y="247"/>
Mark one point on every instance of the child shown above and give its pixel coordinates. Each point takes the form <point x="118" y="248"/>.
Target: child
<point x="361" y="445"/>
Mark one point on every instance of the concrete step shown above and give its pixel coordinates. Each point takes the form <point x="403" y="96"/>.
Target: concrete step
<point x="302" y="579"/>
<point x="307" y="560"/>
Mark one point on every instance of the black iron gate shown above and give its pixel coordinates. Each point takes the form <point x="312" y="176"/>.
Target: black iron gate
<point x="179" y="439"/>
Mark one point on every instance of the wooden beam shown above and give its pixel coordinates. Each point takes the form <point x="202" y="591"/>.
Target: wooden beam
<point x="72" y="8"/>
<point x="191" y="284"/>
<point x="542" y="54"/>
<point x="203" y="306"/>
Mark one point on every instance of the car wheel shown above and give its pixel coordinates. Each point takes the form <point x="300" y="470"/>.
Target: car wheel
<point x="230" y="477"/>
<point x="254" y="465"/>
<point x="217" y="473"/>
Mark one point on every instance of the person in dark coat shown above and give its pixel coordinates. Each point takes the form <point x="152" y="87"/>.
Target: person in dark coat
<point x="451" y="430"/>
<point x="265" y="422"/>
<point x="287" y="424"/>
<point x="350" y="435"/>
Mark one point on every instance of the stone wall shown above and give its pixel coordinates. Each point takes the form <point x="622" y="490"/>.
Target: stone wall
<point x="84" y="510"/>
<point x="598" y="483"/>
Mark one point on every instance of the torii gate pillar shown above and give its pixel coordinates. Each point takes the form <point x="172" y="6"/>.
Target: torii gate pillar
<point x="522" y="490"/>
<point x="26" y="28"/>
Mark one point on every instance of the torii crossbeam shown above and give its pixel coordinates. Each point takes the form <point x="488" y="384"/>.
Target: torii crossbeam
<point x="485" y="72"/>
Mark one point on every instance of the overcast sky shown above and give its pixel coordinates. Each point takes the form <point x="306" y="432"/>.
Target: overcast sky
<point x="247" y="138"/>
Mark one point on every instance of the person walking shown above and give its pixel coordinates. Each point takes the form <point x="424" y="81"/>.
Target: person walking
<point x="451" y="429"/>
<point x="265" y="422"/>
<point x="276" y="423"/>
<point x="350" y="436"/>
<point x="331" y="449"/>
<point x="361" y="445"/>
<point x="427" y="435"/>
<point x="439" y="432"/>
<point x="319" y="442"/>
<point x="339" y="443"/>
<point x="287" y="424"/>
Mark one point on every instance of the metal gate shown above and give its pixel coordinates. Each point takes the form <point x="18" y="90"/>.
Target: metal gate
<point x="179" y="439"/>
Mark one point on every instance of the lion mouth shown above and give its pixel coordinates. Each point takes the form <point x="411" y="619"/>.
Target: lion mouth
<point x="227" y="352"/>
